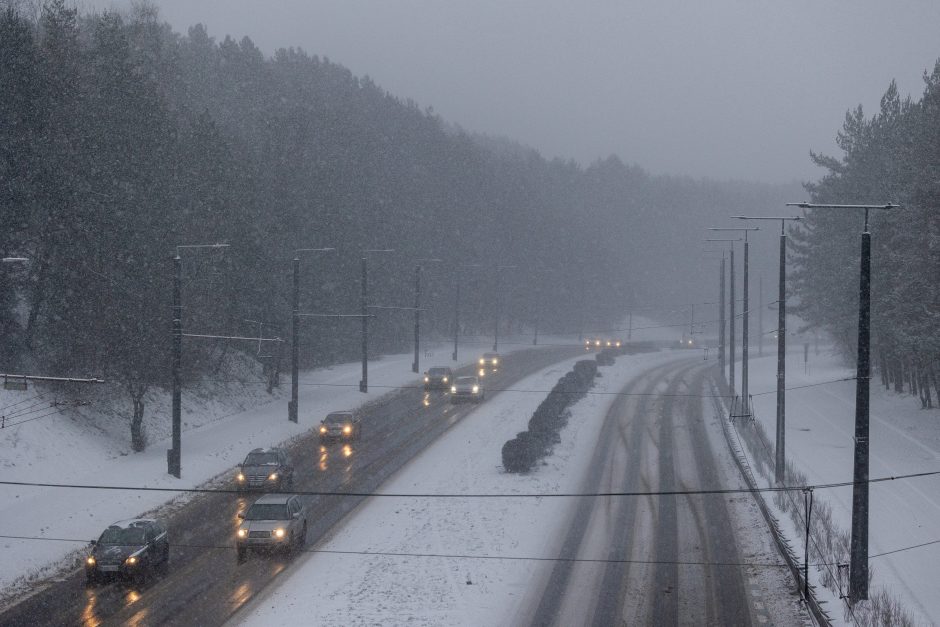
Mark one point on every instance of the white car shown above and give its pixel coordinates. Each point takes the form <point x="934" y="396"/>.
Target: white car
<point x="466" y="388"/>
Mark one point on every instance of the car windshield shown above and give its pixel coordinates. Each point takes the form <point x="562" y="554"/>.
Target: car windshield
<point x="261" y="459"/>
<point x="437" y="372"/>
<point x="130" y="536"/>
<point x="337" y="418"/>
<point x="267" y="511"/>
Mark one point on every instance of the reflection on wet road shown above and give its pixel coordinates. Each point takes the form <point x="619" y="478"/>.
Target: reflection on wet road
<point x="205" y="584"/>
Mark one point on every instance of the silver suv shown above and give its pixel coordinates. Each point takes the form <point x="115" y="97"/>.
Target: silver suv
<point x="275" y="521"/>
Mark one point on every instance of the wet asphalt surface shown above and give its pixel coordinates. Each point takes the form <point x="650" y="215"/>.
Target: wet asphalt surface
<point x="205" y="584"/>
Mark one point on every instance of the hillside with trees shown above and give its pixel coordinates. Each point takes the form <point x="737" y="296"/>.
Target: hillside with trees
<point x="121" y="139"/>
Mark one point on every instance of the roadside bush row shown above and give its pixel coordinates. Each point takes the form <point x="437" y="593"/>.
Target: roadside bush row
<point x="528" y="447"/>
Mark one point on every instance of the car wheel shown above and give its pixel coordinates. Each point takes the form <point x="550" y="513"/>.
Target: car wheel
<point x="303" y="537"/>
<point x="241" y="554"/>
<point x="91" y="579"/>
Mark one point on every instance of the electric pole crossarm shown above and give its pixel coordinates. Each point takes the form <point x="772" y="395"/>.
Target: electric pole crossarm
<point x="33" y="377"/>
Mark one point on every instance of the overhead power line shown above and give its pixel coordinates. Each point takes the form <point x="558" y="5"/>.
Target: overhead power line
<point x="479" y="495"/>
<point x="468" y="556"/>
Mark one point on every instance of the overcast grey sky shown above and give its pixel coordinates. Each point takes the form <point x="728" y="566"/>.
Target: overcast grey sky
<point x="717" y="88"/>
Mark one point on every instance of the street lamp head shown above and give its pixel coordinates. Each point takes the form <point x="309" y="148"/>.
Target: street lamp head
<point x="767" y="217"/>
<point x="809" y="205"/>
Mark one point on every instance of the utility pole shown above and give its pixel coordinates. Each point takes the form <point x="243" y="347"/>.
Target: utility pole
<point x="732" y="324"/>
<point x="780" y="457"/>
<point x="295" y="342"/>
<point x="732" y="317"/>
<point x="721" y="316"/>
<point x="745" y="353"/>
<point x="760" y="315"/>
<point x="456" y="319"/>
<point x="175" y="454"/>
<point x="414" y="365"/>
<point x="364" y="312"/>
<point x="496" y="310"/>
<point x="746" y="314"/>
<point x="292" y="406"/>
<point x="858" y="570"/>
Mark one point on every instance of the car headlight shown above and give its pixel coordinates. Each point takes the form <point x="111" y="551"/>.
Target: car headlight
<point x="482" y="372"/>
<point x="495" y="361"/>
<point x="597" y="343"/>
<point x="322" y="429"/>
<point x="476" y="388"/>
<point x="482" y="361"/>
<point x="131" y="560"/>
<point x="242" y="533"/>
<point x="272" y="476"/>
<point x="347" y="429"/>
<point x="445" y="379"/>
<point x="240" y="476"/>
<point x="279" y="532"/>
<point x="91" y="561"/>
<point x="428" y="379"/>
<point x="453" y="389"/>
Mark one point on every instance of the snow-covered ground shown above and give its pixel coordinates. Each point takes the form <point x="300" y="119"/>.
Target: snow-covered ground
<point x="90" y="445"/>
<point x="904" y="439"/>
<point x="380" y="566"/>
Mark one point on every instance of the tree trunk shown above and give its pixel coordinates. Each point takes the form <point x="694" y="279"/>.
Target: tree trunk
<point x="883" y="363"/>
<point x="899" y="375"/>
<point x="913" y="373"/>
<point x="138" y="433"/>
<point x="926" y="397"/>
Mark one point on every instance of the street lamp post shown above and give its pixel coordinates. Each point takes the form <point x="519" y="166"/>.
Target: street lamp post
<point x="731" y="319"/>
<point x="364" y="313"/>
<point x="745" y="315"/>
<point x="174" y="455"/>
<point x="858" y="571"/>
<point x="780" y="457"/>
<point x="295" y="331"/>
<point x="457" y="305"/>
<point x="415" y="365"/>
<point x="496" y="309"/>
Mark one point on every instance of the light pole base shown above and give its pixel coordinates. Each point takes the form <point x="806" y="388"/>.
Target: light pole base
<point x="291" y="411"/>
<point x="173" y="463"/>
<point x="363" y="386"/>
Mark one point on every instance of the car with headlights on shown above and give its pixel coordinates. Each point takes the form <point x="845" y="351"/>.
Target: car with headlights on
<point x="274" y="522"/>
<point x="490" y="360"/>
<point x="466" y="389"/>
<point x="265" y="469"/>
<point x="130" y="550"/>
<point x="341" y="425"/>
<point x="438" y="378"/>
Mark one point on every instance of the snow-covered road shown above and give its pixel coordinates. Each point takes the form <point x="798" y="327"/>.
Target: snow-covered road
<point x="479" y="561"/>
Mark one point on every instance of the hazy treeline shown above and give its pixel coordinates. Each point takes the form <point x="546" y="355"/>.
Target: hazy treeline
<point x="893" y="156"/>
<point x="121" y="139"/>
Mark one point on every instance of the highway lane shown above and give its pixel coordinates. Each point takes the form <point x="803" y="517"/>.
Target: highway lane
<point x="205" y="584"/>
<point x="679" y="556"/>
